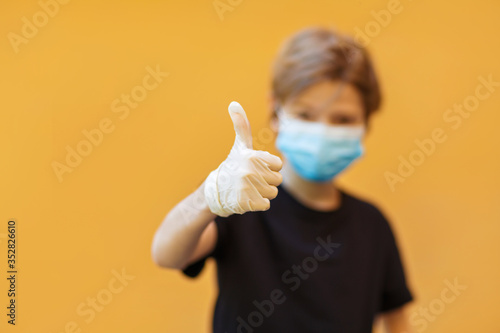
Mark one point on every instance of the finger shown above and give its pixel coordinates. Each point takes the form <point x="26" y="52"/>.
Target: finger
<point x="269" y="192"/>
<point x="241" y="125"/>
<point x="273" y="178"/>
<point x="272" y="161"/>
<point x="261" y="187"/>
<point x="260" y="204"/>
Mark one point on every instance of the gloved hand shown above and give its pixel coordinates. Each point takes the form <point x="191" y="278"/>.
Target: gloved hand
<point x="247" y="179"/>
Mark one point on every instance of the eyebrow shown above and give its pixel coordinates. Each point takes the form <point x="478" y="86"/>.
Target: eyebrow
<point x="342" y="111"/>
<point x="304" y="104"/>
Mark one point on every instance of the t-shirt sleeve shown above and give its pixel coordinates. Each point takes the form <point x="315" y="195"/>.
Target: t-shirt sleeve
<point x="395" y="291"/>
<point x="195" y="268"/>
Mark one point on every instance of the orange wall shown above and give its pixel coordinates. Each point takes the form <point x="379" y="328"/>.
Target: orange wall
<point x="77" y="231"/>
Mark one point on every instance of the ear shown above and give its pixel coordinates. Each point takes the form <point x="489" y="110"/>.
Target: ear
<point x="270" y="102"/>
<point x="272" y="105"/>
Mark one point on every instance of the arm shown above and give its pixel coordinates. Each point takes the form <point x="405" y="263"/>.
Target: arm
<point x="187" y="233"/>
<point x="396" y="321"/>
<point x="245" y="181"/>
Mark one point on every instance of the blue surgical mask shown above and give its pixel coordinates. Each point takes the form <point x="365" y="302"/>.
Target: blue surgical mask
<point x="316" y="151"/>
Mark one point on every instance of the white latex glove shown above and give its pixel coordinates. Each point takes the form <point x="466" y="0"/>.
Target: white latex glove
<point x="247" y="179"/>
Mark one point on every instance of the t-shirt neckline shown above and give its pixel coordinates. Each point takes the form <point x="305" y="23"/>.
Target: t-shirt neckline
<point x="310" y="210"/>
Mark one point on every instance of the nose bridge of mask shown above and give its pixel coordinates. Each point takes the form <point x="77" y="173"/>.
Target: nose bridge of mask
<point x="344" y="132"/>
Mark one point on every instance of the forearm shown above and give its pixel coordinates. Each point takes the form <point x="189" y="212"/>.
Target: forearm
<point x="396" y="321"/>
<point x="178" y="234"/>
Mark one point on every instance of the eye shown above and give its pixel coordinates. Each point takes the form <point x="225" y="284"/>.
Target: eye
<point x="303" y="115"/>
<point x="343" y="119"/>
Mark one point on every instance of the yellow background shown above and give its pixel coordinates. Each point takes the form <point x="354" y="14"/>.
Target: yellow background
<point x="101" y="218"/>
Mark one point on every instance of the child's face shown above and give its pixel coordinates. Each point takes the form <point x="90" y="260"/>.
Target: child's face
<point x="324" y="102"/>
<point x="321" y="130"/>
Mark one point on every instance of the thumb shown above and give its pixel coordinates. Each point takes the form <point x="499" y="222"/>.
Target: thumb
<point x="241" y="125"/>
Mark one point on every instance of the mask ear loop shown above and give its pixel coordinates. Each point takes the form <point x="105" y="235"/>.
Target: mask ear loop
<point x="280" y="112"/>
<point x="283" y="118"/>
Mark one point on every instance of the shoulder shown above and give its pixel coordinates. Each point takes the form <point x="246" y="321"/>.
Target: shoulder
<point x="367" y="211"/>
<point x="362" y="204"/>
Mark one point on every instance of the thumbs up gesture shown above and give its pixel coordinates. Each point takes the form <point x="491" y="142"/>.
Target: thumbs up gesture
<point x="247" y="179"/>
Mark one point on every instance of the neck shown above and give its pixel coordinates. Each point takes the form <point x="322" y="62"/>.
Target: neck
<point x="316" y="195"/>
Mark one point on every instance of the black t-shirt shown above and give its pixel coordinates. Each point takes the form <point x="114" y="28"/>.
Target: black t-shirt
<point x="296" y="269"/>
